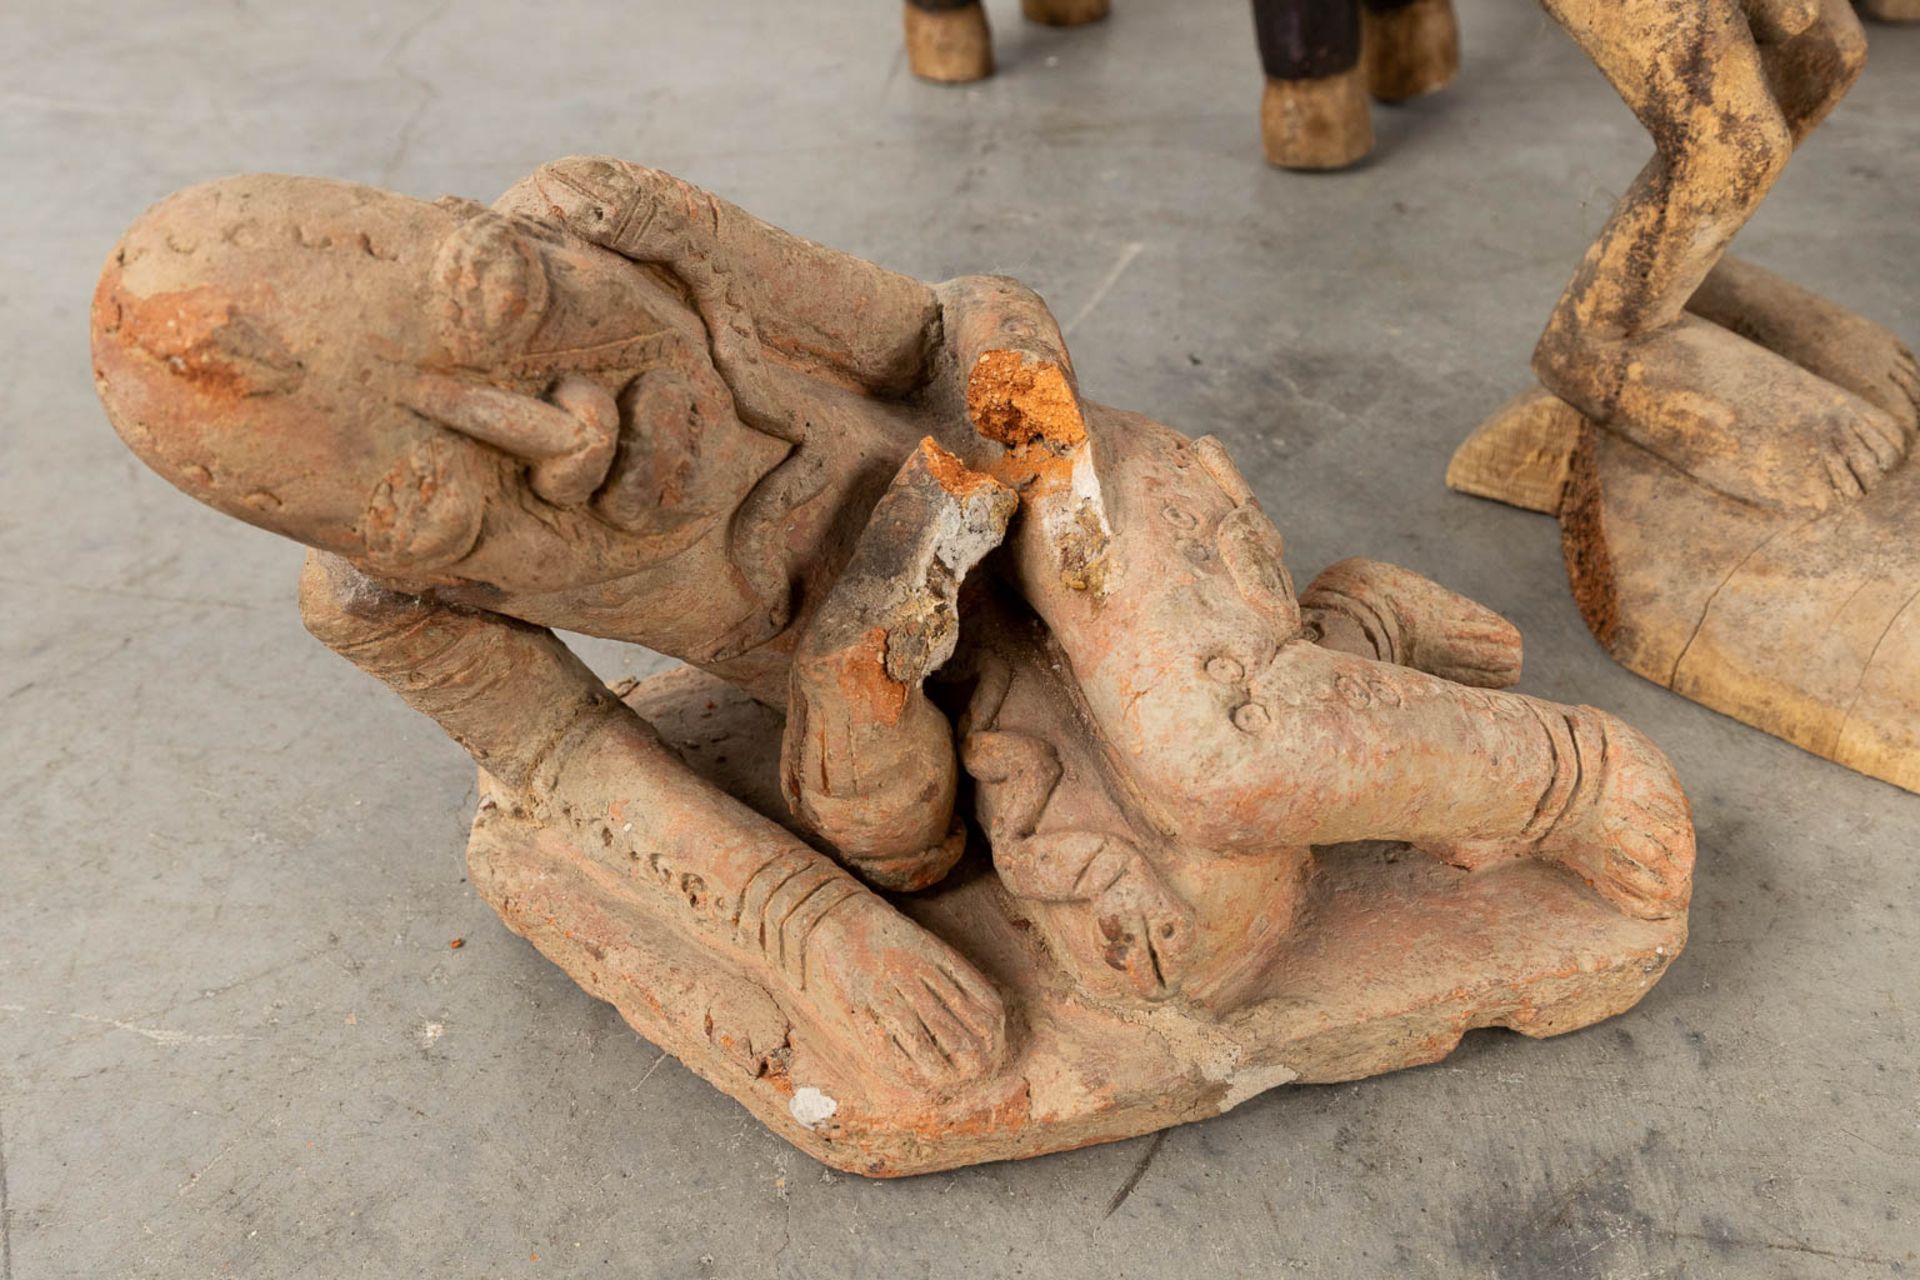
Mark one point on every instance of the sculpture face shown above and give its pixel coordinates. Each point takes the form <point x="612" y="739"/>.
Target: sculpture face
<point x="427" y="389"/>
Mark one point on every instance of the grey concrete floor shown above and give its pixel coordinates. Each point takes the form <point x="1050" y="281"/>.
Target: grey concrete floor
<point x="233" y="1038"/>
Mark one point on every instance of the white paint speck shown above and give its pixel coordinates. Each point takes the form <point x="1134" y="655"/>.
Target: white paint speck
<point x="811" y="1107"/>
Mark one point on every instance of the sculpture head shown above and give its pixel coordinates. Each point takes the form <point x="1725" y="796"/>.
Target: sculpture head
<point x="425" y="388"/>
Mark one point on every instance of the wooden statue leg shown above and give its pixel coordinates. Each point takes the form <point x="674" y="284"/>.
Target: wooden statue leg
<point x="1409" y="47"/>
<point x="1315" y="113"/>
<point x="1736" y="417"/>
<point x="948" y="41"/>
<point x="1064" y="13"/>
<point x="544" y="727"/>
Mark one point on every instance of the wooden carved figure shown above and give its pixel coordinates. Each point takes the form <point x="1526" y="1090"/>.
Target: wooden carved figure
<point x="949" y="41"/>
<point x="981" y="821"/>
<point x="1324" y="58"/>
<point x="1728" y="453"/>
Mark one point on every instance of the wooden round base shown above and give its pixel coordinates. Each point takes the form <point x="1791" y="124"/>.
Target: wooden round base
<point x="952" y="46"/>
<point x="1325" y="123"/>
<point x="1064" y="13"/>
<point x="1411" y="50"/>
<point x="1891" y="10"/>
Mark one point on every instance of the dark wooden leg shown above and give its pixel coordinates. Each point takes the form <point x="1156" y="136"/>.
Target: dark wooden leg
<point x="948" y="40"/>
<point x="1315" y="113"/>
<point x="1409" y="47"/>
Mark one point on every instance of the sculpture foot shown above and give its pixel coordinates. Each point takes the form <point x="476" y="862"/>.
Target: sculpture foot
<point x="1323" y="123"/>
<point x="949" y="46"/>
<point x="1732" y="415"/>
<point x="1821" y="336"/>
<point x="1410" y="50"/>
<point x="908" y="998"/>
<point x="1614" y="815"/>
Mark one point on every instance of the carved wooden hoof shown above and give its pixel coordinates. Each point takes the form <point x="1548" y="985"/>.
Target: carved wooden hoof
<point x="1396" y="957"/>
<point x="1409" y="49"/>
<point x="949" y="45"/>
<point x="1064" y="13"/>
<point x="1891" y="10"/>
<point x="1325" y="123"/>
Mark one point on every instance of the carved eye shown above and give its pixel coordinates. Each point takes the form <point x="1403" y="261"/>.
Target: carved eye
<point x="492" y="290"/>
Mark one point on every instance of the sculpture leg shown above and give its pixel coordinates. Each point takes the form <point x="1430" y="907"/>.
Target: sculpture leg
<point x="538" y="721"/>
<point x="1409" y="47"/>
<point x="1315" y="113"/>
<point x="948" y="41"/>
<point x="1329" y="748"/>
<point x="1736" y="417"/>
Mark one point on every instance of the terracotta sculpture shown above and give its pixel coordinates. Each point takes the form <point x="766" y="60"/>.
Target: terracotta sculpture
<point x="1031" y="666"/>
<point x="1727" y="452"/>
<point x="1322" y="58"/>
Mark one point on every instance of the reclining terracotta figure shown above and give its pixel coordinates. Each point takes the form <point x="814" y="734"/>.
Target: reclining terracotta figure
<point x="929" y="599"/>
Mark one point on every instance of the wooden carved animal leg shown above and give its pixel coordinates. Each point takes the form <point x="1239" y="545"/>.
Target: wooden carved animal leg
<point x="1390" y="614"/>
<point x="867" y="761"/>
<point x="948" y="41"/>
<point x="1408" y="47"/>
<point x="1736" y="417"/>
<point x="542" y="725"/>
<point x="1315" y="113"/>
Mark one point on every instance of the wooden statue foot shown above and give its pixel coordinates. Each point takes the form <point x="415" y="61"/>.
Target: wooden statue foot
<point x="948" y="43"/>
<point x="1409" y="47"/>
<point x="1820" y="336"/>
<point x="1397" y="956"/>
<point x="1322" y="123"/>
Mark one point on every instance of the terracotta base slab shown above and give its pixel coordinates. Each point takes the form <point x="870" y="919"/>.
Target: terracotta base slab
<point x="1396" y="958"/>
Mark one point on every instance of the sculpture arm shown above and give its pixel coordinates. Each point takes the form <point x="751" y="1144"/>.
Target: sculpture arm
<point x="867" y="760"/>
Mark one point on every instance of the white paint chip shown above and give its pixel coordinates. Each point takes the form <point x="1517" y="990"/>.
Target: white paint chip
<point x="811" y="1107"/>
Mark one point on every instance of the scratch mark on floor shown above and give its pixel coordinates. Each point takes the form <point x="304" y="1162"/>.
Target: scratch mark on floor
<point x="159" y="1035"/>
<point x="648" y="1074"/>
<point x="6" y="1213"/>
<point x="1139" y="1172"/>
<point x="1100" y="291"/>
